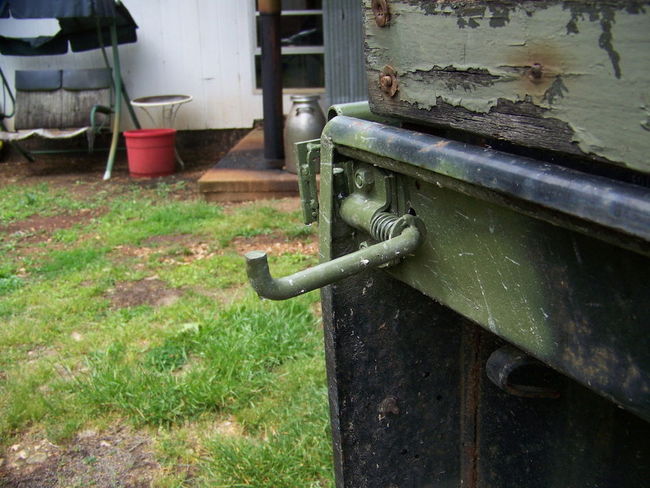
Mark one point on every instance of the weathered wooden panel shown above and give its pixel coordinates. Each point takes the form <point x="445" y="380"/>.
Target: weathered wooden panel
<point x="38" y="109"/>
<point x="567" y="76"/>
<point x="78" y="105"/>
<point x="60" y="109"/>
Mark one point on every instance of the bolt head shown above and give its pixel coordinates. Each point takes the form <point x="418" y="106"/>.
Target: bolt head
<point x="364" y="179"/>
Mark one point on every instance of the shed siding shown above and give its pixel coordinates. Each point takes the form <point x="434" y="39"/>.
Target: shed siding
<point x="345" y="77"/>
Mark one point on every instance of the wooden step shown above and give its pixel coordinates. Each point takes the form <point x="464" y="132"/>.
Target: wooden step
<point x="236" y="185"/>
<point x="245" y="174"/>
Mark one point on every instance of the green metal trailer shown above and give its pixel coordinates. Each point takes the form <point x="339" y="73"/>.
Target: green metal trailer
<point x="485" y="248"/>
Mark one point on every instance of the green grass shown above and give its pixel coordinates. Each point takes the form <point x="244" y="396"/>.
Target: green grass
<point x="72" y="357"/>
<point x="20" y="202"/>
<point x="291" y="444"/>
<point x="255" y="220"/>
<point x="218" y="365"/>
<point x="9" y="281"/>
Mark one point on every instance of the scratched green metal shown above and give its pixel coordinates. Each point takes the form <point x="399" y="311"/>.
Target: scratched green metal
<point x="326" y="199"/>
<point x="595" y="59"/>
<point x="477" y="260"/>
<point x="569" y="299"/>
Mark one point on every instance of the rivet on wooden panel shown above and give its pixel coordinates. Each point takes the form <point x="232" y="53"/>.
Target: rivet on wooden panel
<point x="388" y="81"/>
<point x="381" y="11"/>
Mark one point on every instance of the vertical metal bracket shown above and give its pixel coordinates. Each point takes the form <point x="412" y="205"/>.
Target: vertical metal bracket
<point x="308" y="153"/>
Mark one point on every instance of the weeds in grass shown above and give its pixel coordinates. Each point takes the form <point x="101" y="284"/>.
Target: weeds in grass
<point x="131" y="222"/>
<point x="251" y="221"/>
<point x="220" y="271"/>
<point x="9" y="281"/>
<point x="70" y="260"/>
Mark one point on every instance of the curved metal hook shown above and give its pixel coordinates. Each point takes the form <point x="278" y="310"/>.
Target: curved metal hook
<point x="383" y="253"/>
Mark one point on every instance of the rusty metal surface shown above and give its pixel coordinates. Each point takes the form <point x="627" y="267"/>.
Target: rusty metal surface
<point x="520" y="374"/>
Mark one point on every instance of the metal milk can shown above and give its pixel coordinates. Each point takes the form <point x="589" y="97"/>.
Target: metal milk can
<point x="304" y="122"/>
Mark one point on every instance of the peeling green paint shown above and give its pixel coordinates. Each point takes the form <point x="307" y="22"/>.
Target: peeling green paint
<point x="595" y="62"/>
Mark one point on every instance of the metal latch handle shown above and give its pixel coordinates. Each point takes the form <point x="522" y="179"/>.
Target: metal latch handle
<point x="382" y="253"/>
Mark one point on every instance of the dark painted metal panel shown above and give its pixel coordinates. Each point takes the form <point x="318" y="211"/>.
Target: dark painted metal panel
<point x="395" y="385"/>
<point x="412" y="406"/>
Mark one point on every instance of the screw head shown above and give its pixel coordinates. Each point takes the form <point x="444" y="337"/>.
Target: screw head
<point x="382" y="14"/>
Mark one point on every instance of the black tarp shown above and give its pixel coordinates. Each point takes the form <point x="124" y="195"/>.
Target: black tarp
<point x="56" y="9"/>
<point x="78" y="21"/>
<point x="33" y="46"/>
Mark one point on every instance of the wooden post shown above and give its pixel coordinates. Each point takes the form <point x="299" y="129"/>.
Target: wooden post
<point x="272" y="81"/>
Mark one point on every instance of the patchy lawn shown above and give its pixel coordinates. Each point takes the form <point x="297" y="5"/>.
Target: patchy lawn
<point x="132" y="351"/>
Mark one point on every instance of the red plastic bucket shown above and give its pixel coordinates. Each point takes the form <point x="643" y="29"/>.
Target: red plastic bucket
<point x="150" y="152"/>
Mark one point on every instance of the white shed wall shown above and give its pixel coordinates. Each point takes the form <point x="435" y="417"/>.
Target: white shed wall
<point x="202" y="48"/>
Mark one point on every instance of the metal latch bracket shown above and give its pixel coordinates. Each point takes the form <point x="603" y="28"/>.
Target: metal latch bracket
<point x="308" y="153"/>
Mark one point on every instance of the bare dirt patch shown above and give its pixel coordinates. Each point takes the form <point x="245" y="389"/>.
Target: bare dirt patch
<point x="39" y="228"/>
<point x="228" y="427"/>
<point x="169" y="249"/>
<point x="276" y="243"/>
<point x="116" y="458"/>
<point x="149" y="291"/>
<point x="317" y="310"/>
<point x="224" y="296"/>
<point x="171" y="240"/>
<point x="289" y="204"/>
<point x="133" y="251"/>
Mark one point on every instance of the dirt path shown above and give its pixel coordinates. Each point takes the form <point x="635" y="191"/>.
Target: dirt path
<point x="117" y="457"/>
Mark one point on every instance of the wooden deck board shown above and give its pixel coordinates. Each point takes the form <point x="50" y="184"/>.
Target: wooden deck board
<point x="244" y="174"/>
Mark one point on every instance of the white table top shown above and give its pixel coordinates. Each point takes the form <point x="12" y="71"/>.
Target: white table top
<point x="160" y="100"/>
